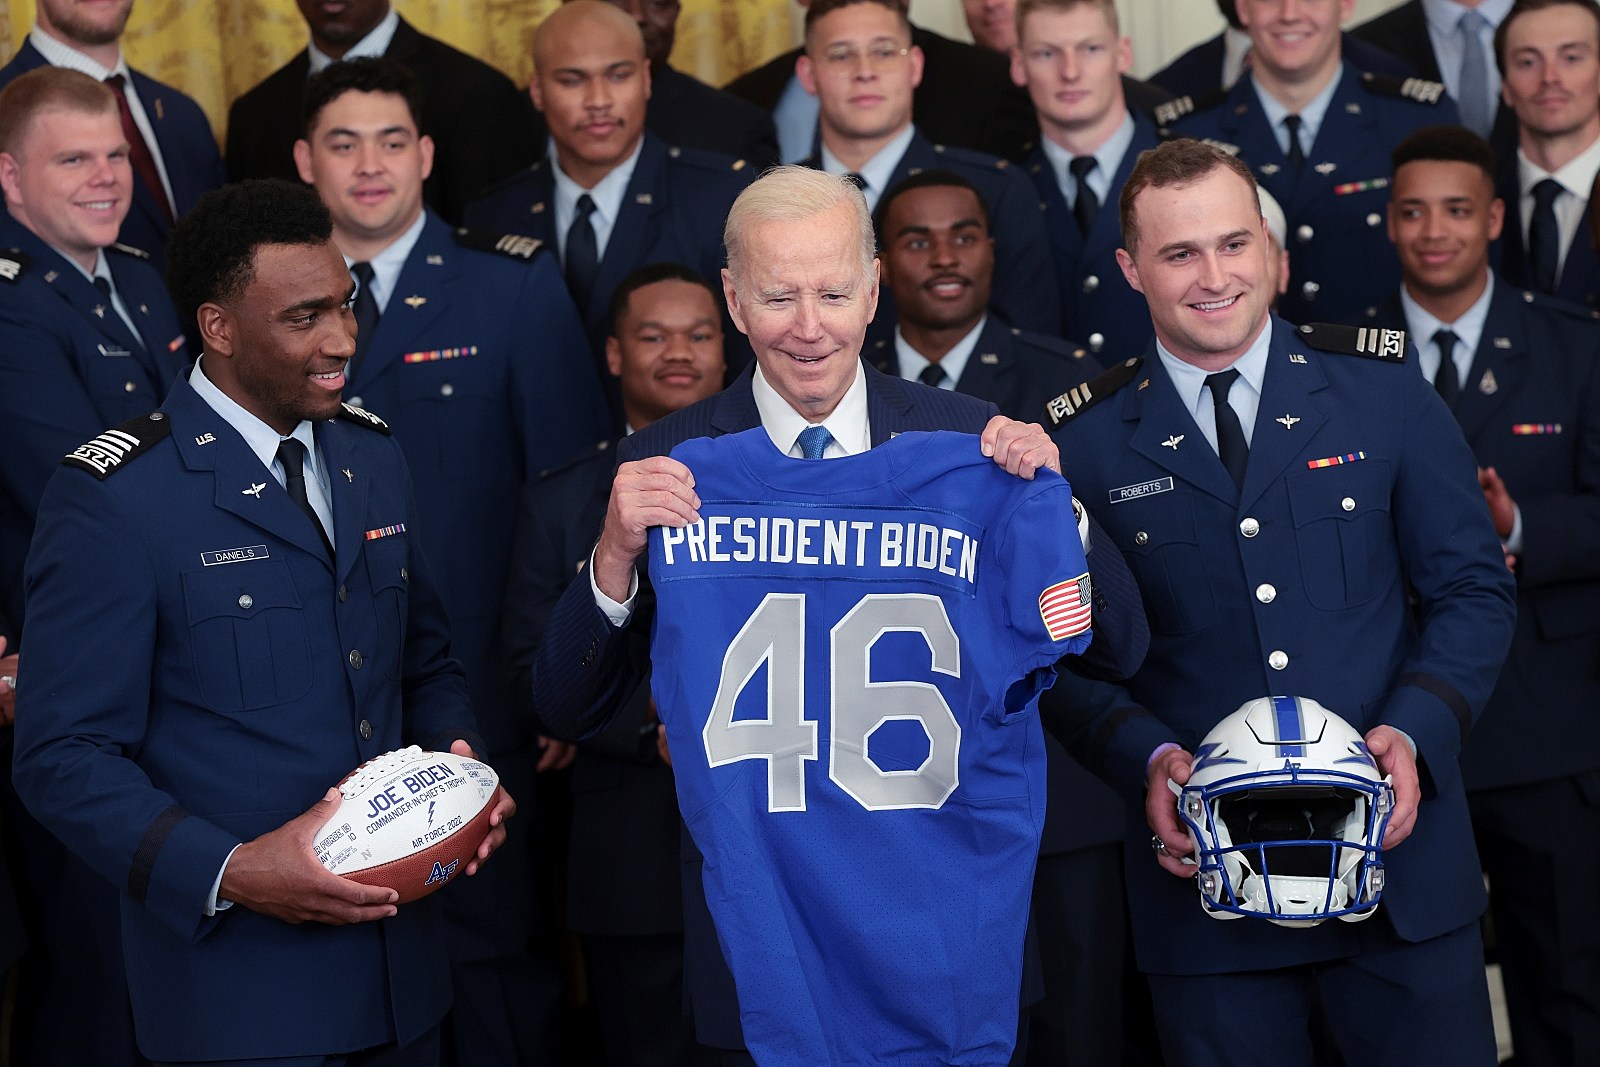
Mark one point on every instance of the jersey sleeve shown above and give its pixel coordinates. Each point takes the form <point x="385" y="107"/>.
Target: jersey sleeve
<point x="1045" y="582"/>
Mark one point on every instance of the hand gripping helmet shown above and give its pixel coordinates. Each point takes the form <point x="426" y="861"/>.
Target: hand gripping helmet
<point x="1286" y="809"/>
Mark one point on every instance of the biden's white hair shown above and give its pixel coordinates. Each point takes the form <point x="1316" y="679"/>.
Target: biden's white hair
<point x="792" y="194"/>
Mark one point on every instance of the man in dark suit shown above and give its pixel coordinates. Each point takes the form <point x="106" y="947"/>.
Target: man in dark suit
<point x="91" y="340"/>
<point x="471" y="348"/>
<point x="684" y="110"/>
<point x="965" y="99"/>
<point x="1522" y="374"/>
<point x="1303" y="518"/>
<point x="171" y="146"/>
<point x="1450" y="41"/>
<point x="623" y="894"/>
<point x="283" y="626"/>
<point x="801" y="282"/>
<point x="1549" y="56"/>
<point x="482" y="125"/>
<point x="614" y="197"/>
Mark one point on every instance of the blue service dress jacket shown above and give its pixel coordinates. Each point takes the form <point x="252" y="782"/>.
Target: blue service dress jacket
<point x="1357" y="566"/>
<point x="201" y="673"/>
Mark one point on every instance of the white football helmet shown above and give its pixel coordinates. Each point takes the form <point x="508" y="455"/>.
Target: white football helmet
<point x="1286" y="809"/>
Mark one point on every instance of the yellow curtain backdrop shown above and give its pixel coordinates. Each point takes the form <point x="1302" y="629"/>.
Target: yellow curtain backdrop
<point x="214" y="50"/>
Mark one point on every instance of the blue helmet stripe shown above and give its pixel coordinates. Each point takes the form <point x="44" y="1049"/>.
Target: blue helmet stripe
<point x="1290" y="724"/>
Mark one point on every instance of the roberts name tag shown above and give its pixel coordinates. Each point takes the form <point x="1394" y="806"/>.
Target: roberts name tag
<point x="1134" y="492"/>
<point x="219" y="556"/>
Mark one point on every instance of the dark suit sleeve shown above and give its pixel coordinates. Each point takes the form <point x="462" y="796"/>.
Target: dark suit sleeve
<point x="1121" y="632"/>
<point x="1561" y="530"/>
<point x="1104" y="729"/>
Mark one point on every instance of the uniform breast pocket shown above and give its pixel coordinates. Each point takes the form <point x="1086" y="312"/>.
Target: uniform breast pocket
<point x="1157" y="536"/>
<point x="247" y="630"/>
<point x="457" y="402"/>
<point x="1344" y="532"/>
<point x="389" y="571"/>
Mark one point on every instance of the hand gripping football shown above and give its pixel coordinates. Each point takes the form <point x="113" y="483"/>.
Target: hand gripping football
<point x="410" y="820"/>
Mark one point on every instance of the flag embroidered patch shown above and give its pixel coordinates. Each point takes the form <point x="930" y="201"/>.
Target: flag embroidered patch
<point x="1065" y="608"/>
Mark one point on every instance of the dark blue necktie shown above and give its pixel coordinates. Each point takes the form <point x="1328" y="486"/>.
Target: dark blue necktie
<point x="1085" y="205"/>
<point x="292" y="454"/>
<point x="1231" y="448"/>
<point x="1544" y="235"/>
<point x="366" y="312"/>
<point x="1445" y="379"/>
<point x="1297" y="152"/>
<point x="583" y="255"/>
<point x="933" y="375"/>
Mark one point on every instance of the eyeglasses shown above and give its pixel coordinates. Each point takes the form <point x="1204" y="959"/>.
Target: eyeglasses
<point x="844" y="59"/>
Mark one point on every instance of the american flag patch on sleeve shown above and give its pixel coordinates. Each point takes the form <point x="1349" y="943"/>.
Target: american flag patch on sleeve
<point x="1065" y="608"/>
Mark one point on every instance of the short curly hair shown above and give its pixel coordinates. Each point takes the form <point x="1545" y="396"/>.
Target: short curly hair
<point x="376" y="74"/>
<point x="211" y="256"/>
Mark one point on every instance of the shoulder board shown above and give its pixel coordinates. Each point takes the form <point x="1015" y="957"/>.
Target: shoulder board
<point x="14" y="263"/>
<point x="957" y="154"/>
<point x="109" y="451"/>
<point x="1419" y="89"/>
<point x="512" y="245"/>
<point x="1566" y="308"/>
<point x="710" y="160"/>
<point x="1369" y="341"/>
<point x="1173" y="110"/>
<point x="588" y="455"/>
<point x="365" y="418"/>
<point x="1041" y="342"/>
<point x="1081" y="398"/>
<point x="129" y="250"/>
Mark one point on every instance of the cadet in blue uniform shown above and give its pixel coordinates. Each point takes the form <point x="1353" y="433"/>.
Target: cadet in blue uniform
<point x="623" y="894"/>
<point x="175" y="159"/>
<point x="472" y="349"/>
<point x="861" y="65"/>
<point x="1302" y="517"/>
<point x="1329" y="175"/>
<point x="1071" y="57"/>
<point x="274" y="625"/>
<point x="1523" y="378"/>
<point x="610" y="198"/>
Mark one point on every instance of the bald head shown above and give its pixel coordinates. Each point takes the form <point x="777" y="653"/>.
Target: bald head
<point x="573" y="22"/>
<point x="592" y="81"/>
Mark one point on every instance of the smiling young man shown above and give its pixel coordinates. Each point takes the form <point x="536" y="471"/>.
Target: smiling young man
<point x="274" y="624"/>
<point x="1317" y="132"/>
<point x="1521" y="372"/>
<point x="471" y="348"/>
<point x="1549" y="55"/>
<point x="1315" y="529"/>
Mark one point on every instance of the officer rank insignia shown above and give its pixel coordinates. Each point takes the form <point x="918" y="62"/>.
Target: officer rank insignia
<point x="1368" y="341"/>
<point x="364" y="417"/>
<point x="13" y="262"/>
<point x="104" y="454"/>
<point x="1082" y="397"/>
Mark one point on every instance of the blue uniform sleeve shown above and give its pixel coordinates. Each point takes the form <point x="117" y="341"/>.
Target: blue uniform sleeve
<point x="559" y="405"/>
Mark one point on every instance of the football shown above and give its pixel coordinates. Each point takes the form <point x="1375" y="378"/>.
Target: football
<point x="410" y="820"/>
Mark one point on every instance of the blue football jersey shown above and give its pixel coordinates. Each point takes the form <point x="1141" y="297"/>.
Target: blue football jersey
<point x="848" y="655"/>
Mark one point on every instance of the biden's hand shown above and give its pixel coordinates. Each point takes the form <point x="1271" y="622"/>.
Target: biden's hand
<point x="658" y="491"/>
<point x="1022" y="448"/>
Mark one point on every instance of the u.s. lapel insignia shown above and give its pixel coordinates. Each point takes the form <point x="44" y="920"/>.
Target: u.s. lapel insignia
<point x="50" y="276"/>
<point x="347" y="475"/>
<point x="415" y="302"/>
<point x="1487" y="385"/>
<point x="1325" y="169"/>
<point x="1172" y="442"/>
<point x="1296" y="357"/>
<point x="1502" y="342"/>
<point x="1269" y="169"/>
<point x="161" y="111"/>
<point x="1288" y="421"/>
<point x="1353" y="108"/>
<point x="144" y="309"/>
<point x="254" y="490"/>
<point x="989" y="359"/>
<point x="435" y="260"/>
<point x="537" y="209"/>
<point x="644" y="198"/>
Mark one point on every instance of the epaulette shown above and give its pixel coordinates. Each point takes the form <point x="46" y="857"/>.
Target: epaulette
<point x="1173" y="110"/>
<point x="365" y="418"/>
<point x="709" y="160"/>
<point x="129" y="250"/>
<point x="588" y="455"/>
<point x="513" y="245"/>
<point x="1043" y="342"/>
<point x="14" y="263"/>
<point x="105" y="453"/>
<point x="1081" y="398"/>
<point x="1546" y="302"/>
<point x="1421" y="90"/>
<point x="959" y="154"/>
<point x="1370" y="341"/>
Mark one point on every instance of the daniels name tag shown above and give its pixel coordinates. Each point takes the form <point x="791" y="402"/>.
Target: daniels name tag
<point x="219" y="556"/>
<point x="1134" y="492"/>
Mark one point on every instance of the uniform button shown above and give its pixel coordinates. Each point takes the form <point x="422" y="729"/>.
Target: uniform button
<point x="365" y="729"/>
<point x="447" y="389"/>
<point x="1374" y="218"/>
<point x="343" y="592"/>
<point x="1249" y="527"/>
<point x="1310" y="290"/>
<point x="1266" y="593"/>
<point x="247" y="602"/>
<point x="1277" y="659"/>
<point x="405" y="575"/>
<point x="1141" y="538"/>
<point x="354" y="401"/>
<point x="1096" y="341"/>
<point x="1348" y="504"/>
<point x="1304" y="234"/>
<point x="355" y="659"/>
<point x="129" y="387"/>
<point x="1091" y="283"/>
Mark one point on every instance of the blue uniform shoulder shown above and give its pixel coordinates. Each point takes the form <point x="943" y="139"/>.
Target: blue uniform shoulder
<point x="1419" y="91"/>
<point x="710" y="162"/>
<point x="513" y="246"/>
<point x="602" y="452"/>
<point x="969" y="161"/>
<point x="1081" y="398"/>
<point x="108" y="452"/>
<point x="1385" y="346"/>
<point x="1047" y="345"/>
<point x="1564" y="311"/>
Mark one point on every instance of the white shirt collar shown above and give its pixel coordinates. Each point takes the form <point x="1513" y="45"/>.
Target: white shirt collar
<point x="386" y="265"/>
<point x="954" y="362"/>
<point x="1107" y="158"/>
<point x="262" y="439"/>
<point x="1444" y="15"/>
<point x="1311" y="115"/>
<point x="876" y="171"/>
<point x="847" y="423"/>
<point x="374" y="44"/>
<point x="1576" y="177"/>
<point x="1422" y="325"/>
<point x="1190" y="382"/>
<point x="607" y="195"/>
<point x="60" y="54"/>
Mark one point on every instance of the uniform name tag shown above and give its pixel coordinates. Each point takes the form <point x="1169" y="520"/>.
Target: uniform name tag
<point x="1134" y="492"/>
<point x="217" y="557"/>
